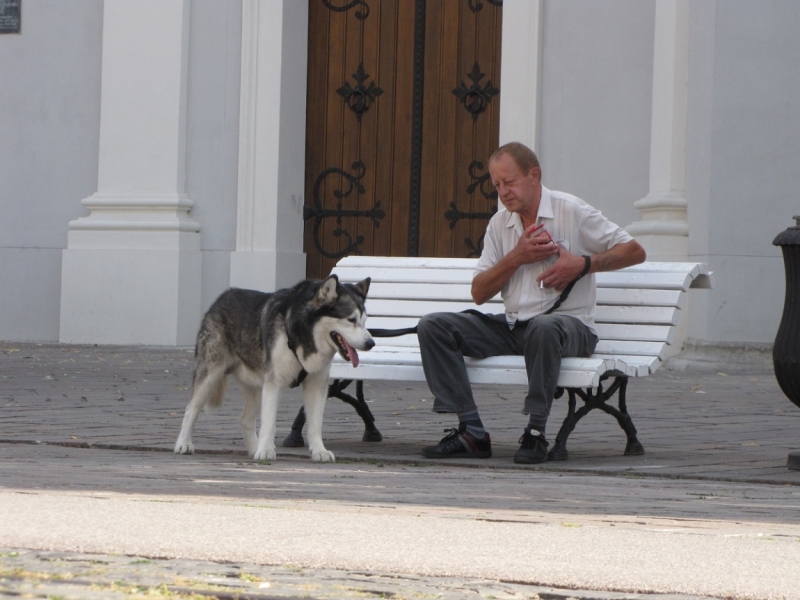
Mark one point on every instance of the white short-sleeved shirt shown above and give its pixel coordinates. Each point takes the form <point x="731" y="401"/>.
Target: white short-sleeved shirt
<point x="574" y="225"/>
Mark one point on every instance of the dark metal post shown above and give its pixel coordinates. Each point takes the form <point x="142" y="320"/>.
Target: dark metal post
<point x="786" y="351"/>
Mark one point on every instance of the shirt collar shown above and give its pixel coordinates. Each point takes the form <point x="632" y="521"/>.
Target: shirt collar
<point x="546" y="205"/>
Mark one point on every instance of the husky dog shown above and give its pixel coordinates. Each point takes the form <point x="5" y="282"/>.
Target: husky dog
<point x="271" y="342"/>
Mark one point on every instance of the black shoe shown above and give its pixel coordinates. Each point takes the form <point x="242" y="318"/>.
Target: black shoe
<point x="532" y="449"/>
<point x="459" y="444"/>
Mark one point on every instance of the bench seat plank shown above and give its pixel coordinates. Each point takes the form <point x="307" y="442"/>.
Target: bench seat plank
<point x="380" y="290"/>
<point x="493" y="376"/>
<point x="607" y="331"/>
<point x="656" y="315"/>
<point x="621" y="347"/>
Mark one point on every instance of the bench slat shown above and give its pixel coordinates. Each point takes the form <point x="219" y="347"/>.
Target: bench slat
<point x="383" y="262"/>
<point x="644" y="365"/>
<point x="613" y="347"/>
<point x="438" y="291"/>
<point x="405" y="275"/>
<point x="606" y="331"/>
<point x="641" y="333"/>
<point x="575" y="379"/>
<point x="575" y="372"/>
<point x="414" y="262"/>
<point x="616" y="279"/>
<point x="657" y="315"/>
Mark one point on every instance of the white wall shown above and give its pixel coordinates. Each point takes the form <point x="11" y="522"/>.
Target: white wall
<point x="596" y="86"/>
<point x="215" y="47"/>
<point x="49" y="124"/>
<point x="743" y="160"/>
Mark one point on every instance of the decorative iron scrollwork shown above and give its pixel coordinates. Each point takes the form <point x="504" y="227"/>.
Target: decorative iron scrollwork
<point x="359" y="98"/>
<point x="454" y="215"/>
<point x="480" y="180"/>
<point x="474" y="249"/>
<point x="476" y="5"/>
<point x="359" y="14"/>
<point x="318" y="212"/>
<point x="476" y="97"/>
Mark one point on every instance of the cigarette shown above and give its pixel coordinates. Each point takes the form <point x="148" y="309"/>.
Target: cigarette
<point x="541" y="285"/>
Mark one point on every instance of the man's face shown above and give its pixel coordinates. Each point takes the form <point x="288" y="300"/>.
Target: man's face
<point x="517" y="190"/>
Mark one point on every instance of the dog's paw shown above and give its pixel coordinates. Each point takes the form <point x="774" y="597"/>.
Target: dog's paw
<point x="323" y="456"/>
<point x="267" y="455"/>
<point x="184" y="447"/>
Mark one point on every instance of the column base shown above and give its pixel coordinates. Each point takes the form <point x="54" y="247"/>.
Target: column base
<point x="130" y="296"/>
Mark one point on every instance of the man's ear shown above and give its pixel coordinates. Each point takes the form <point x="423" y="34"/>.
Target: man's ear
<point x="327" y="292"/>
<point x="362" y="287"/>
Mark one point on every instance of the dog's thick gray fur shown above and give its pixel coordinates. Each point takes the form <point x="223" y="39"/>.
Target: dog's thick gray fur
<point x="270" y="342"/>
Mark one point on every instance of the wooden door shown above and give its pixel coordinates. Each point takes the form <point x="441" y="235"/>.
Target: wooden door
<point x="403" y="113"/>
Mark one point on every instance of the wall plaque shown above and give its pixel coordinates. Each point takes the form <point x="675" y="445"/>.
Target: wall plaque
<point x="10" y="16"/>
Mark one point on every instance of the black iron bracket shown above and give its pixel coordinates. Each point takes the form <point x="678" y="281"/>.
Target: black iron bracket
<point x="593" y="400"/>
<point x="336" y="390"/>
<point x="476" y="97"/>
<point x="361" y="14"/>
<point x="318" y="212"/>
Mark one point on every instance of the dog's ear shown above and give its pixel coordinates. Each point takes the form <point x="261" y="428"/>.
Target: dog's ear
<point x="327" y="293"/>
<point x="362" y="287"/>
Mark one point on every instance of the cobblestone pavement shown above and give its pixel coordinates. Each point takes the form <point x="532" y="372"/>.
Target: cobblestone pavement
<point x="80" y="422"/>
<point x="42" y="574"/>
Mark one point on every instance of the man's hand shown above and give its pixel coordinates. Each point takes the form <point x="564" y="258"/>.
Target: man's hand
<point x="569" y="266"/>
<point x="566" y="269"/>
<point x="534" y="244"/>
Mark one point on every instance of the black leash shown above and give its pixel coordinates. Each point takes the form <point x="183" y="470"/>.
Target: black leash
<point x="303" y="373"/>
<point x="568" y="289"/>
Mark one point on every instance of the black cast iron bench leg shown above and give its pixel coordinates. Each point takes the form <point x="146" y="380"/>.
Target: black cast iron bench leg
<point x="336" y="390"/>
<point x="591" y="401"/>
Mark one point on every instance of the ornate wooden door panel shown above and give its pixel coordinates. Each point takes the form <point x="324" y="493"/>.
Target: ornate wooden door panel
<point x="403" y="113"/>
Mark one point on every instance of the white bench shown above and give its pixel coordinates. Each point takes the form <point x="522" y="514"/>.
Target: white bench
<point x="638" y="310"/>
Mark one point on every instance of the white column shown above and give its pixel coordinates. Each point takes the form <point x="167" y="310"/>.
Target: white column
<point x="269" y="233"/>
<point x="664" y="229"/>
<point x="131" y="272"/>
<point x="521" y="72"/>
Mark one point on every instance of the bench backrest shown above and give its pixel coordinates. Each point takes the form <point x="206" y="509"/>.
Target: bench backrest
<point x="638" y="308"/>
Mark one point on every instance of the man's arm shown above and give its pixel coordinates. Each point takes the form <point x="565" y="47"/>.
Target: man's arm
<point x="569" y="266"/>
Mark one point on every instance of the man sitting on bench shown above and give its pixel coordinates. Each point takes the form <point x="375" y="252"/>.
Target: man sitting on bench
<point x="540" y="253"/>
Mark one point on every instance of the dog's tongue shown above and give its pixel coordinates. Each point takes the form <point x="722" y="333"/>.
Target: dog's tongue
<point x="352" y="352"/>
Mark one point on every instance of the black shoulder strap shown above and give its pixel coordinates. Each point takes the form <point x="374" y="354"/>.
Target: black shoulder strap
<point x="565" y="292"/>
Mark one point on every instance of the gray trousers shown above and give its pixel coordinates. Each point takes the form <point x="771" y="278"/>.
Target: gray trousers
<point x="446" y="338"/>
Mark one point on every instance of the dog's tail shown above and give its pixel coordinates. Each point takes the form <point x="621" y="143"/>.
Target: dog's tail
<point x="217" y="394"/>
<point x="211" y="386"/>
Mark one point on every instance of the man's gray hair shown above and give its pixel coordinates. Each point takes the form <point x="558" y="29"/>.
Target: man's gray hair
<point x="522" y="155"/>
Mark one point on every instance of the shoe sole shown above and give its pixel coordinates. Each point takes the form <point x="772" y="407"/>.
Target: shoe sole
<point x="527" y="460"/>
<point x="459" y="455"/>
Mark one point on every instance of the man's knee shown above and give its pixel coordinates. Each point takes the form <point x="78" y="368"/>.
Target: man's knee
<point x="431" y="324"/>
